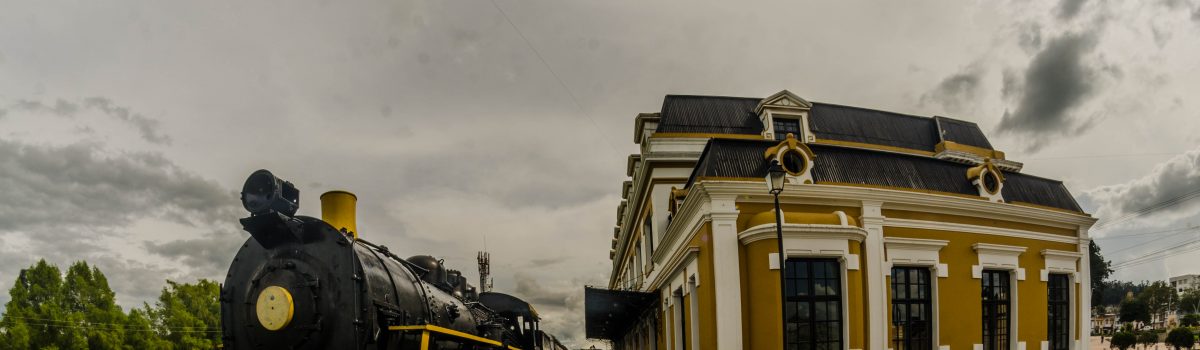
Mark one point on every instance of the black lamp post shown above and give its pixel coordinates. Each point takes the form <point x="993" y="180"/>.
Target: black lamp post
<point x="775" y="181"/>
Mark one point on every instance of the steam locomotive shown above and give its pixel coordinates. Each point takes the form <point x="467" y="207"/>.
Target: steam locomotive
<point x="305" y="283"/>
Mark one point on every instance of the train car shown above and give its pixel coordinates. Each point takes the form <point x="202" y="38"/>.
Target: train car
<point x="300" y="282"/>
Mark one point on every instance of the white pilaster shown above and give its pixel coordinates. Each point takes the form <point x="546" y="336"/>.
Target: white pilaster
<point x="872" y="220"/>
<point x="1083" y="339"/>
<point x="727" y="280"/>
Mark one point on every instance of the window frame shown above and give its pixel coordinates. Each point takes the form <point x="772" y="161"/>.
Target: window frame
<point x="776" y="119"/>
<point x="1058" y="309"/>
<point x="926" y="303"/>
<point x="1004" y="279"/>
<point x="794" y="301"/>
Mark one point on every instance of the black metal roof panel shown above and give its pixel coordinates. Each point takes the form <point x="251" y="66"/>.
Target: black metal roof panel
<point x="854" y="124"/>
<point x="609" y="313"/>
<point x="1032" y="189"/>
<point x="962" y="132"/>
<point x="709" y="114"/>
<point x="836" y="164"/>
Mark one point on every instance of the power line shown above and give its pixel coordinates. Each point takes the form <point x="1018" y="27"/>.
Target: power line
<point x="1160" y="254"/>
<point x="1177" y="231"/>
<point x="1158" y="206"/>
<point x="1148" y="242"/>
<point x="556" y="78"/>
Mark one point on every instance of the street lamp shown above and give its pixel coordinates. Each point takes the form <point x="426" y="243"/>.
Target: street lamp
<point x="776" y="177"/>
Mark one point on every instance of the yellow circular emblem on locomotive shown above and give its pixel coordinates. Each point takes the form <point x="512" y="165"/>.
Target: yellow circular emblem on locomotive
<point x="274" y="308"/>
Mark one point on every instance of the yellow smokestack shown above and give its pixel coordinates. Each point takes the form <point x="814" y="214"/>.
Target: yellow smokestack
<point x="337" y="209"/>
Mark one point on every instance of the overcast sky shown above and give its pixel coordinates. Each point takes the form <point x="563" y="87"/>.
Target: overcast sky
<point x="126" y="129"/>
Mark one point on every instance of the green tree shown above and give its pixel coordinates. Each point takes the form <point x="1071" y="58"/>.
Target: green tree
<point x="1159" y="298"/>
<point x="190" y="314"/>
<point x="140" y="332"/>
<point x="1189" y="301"/>
<point x="1181" y="338"/>
<point x="34" y="315"/>
<point x="1146" y="339"/>
<point x="1191" y="320"/>
<point x="1100" y="269"/>
<point x="1123" y="340"/>
<point x="1134" y="310"/>
<point x="88" y="299"/>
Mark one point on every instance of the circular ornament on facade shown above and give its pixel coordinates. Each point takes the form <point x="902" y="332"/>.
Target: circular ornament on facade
<point x="274" y="308"/>
<point x="991" y="182"/>
<point x="794" y="162"/>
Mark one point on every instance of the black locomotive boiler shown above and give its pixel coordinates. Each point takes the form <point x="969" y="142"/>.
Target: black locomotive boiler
<point x="305" y="283"/>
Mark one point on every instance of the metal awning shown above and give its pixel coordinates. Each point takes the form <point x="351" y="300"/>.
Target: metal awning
<point x="609" y="313"/>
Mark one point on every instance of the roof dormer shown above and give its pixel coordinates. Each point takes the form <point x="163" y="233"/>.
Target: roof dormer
<point x="785" y="113"/>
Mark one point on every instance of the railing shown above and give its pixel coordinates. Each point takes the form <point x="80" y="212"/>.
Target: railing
<point x="428" y="332"/>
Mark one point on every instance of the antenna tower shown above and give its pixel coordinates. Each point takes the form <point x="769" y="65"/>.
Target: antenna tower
<point x="485" y="272"/>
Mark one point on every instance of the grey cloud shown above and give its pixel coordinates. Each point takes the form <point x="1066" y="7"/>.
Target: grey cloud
<point x="958" y="91"/>
<point x="80" y="185"/>
<point x="148" y="128"/>
<point x="1030" y="37"/>
<point x="1056" y="82"/>
<point x="562" y="302"/>
<point x="1067" y="9"/>
<point x="1178" y="176"/>
<point x="208" y="256"/>
<point x="1011" y="84"/>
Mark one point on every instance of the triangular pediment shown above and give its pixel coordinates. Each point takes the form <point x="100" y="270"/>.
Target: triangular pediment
<point x="784" y="99"/>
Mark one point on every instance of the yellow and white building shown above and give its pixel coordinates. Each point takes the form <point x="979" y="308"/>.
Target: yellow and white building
<point x="900" y="233"/>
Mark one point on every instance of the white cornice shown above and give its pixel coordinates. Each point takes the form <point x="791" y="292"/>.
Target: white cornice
<point x="915" y="243"/>
<point x="910" y="200"/>
<point x="801" y="231"/>
<point x="998" y="249"/>
<point x="681" y="258"/>
<point x="986" y="230"/>
<point x="1049" y="253"/>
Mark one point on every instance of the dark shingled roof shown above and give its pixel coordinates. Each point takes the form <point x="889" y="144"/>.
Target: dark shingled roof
<point x="735" y="115"/>
<point x="963" y="132"/>
<point x="843" y="123"/>
<point x="744" y="158"/>
<point x="709" y="114"/>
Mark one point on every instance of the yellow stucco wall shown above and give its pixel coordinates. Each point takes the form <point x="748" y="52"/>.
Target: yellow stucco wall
<point x="958" y="296"/>
<point x="760" y="285"/>
<point x="958" y="303"/>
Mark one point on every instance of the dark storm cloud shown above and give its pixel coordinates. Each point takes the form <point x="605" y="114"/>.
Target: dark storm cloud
<point x="1056" y="82"/>
<point x="208" y="255"/>
<point x="147" y="127"/>
<point x="1030" y="37"/>
<point x="81" y="185"/>
<point x="957" y="91"/>
<point x="1176" y="177"/>
<point x="1067" y="9"/>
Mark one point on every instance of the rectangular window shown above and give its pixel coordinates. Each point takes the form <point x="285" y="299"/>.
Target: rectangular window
<point x="681" y="304"/>
<point x="814" y="304"/>
<point x="785" y="126"/>
<point x="1059" y="321"/>
<point x="912" y="309"/>
<point x="996" y="304"/>
<point x="648" y="231"/>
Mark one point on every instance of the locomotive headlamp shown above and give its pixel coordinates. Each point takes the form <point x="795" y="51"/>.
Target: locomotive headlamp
<point x="264" y="193"/>
<point x="274" y="308"/>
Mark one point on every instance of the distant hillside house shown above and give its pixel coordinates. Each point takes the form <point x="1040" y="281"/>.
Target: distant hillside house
<point x="901" y="233"/>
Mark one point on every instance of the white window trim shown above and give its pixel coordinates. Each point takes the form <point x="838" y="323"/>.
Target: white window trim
<point x="816" y="241"/>
<point x="1005" y="258"/>
<point x="1064" y="262"/>
<point x="917" y="252"/>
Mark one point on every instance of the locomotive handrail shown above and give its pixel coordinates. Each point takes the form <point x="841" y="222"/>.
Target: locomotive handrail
<point x="428" y="328"/>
